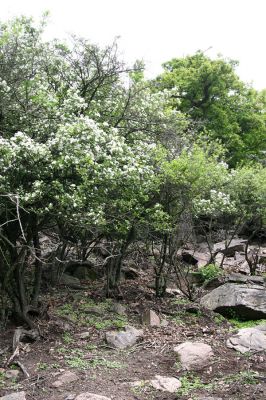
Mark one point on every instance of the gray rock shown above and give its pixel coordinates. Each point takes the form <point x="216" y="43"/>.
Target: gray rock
<point x="195" y="257"/>
<point x="94" y="310"/>
<point x="123" y="339"/>
<point x="173" y="292"/>
<point x="70" y="281"/>
<point x="248" y="339"/>
<point x="244" y="301"/>
<point x="82" y="270"/>
<point x="193" y="355"/>
<point x="14" y="396"/>
<point x="130" y="273"/>
<point x="119" y="309"/>
<point x="213" y="283"/>
<point x="165" y="383"/>
<point x="12" y="373"/>
<point x="151" y="318"/>
<point x="209" y="398"/>
<point x="84" y="335"/>
<point x="91" y="396"/>
<point x="64" y="379"/>
<point x="240" y="278"/>
<point x="235" y="245"/>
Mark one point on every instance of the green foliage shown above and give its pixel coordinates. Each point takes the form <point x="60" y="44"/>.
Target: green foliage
<point x="2" y="380"/>
<point x="82" y="314"/>
<point x="91" y="157"/>
<point x="67" y="338"/>
<point x="218" y="319"/>
<point x="210" y="271"/>
<point x="42" y="366"/>
<point x="191" y="383"/>
<point x="246" y="324"/>
<point x="246" y="377"/>
<point x="219" y="104"/>
<point x="78" y="362"/>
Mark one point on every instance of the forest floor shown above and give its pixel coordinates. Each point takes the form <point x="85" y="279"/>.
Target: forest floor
<point x="108" y="372"/>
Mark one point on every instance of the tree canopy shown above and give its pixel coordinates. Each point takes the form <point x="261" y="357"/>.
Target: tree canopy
<point x="219" y="104"/>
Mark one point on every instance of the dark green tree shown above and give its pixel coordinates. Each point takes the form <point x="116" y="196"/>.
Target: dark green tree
<point x="218" y="103"/>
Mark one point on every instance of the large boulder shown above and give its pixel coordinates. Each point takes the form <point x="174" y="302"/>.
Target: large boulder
<point x="238" y="300"/>
<point x="71" y="282"/>
<point x="194" y="355"/>
<point x="230" y="249"/>
<point x="83" y="270"/>
<point x="247" y="279"/>
<point x="248" y="339"/>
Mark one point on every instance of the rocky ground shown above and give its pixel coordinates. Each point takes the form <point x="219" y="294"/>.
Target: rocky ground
<point x="79" y="357"/>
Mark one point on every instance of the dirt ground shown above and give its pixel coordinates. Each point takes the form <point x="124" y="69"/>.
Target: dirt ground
<point x="105" y="371"/>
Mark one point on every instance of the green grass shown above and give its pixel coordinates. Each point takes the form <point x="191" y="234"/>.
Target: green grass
<point x="90" y="347"/>
<point x="180" y="301"/>
<point x="219" y="319"/>
<point x="78" y="362"/>
<point x="191" y="383"/>
<point x="246" y="377"/>
<point x="67" y="338"/>
<point x="79" y="312"/>
<point x="42" y="366"/>
<point x="246" y="324"/>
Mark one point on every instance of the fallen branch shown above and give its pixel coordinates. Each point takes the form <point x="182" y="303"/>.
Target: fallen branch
<point x="22" y="367"/>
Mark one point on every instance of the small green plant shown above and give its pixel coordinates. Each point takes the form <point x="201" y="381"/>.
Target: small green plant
<point x="90" y="346"/>
<point x="180" y="301"/>
<point x="218" y="319"/>
<point x="54" y="366"/>
<point x="67" y="338"/>
<point x="77" y="363"/>
<point x="2" y="380"/>
<point x="210" y="271"/>
<point x="62" y="350"/>
<point x="106" y="364"/>
<point x="191" y="383"/>
<point x="13" y="366"/>
<point x="246" y="377"/>
<point x="143" y="388"/>
<point x="42" y="366"/>
<point x="178" y="365"/>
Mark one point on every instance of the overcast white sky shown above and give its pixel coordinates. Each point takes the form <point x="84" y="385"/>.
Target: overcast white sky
<point x="158" y="30"/>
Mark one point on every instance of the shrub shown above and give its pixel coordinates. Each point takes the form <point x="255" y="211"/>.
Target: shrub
<point x="210" y="271"/>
